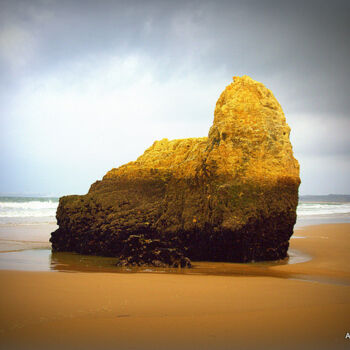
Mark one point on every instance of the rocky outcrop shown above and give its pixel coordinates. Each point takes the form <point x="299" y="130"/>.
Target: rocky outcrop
<point x="231" y="196"/>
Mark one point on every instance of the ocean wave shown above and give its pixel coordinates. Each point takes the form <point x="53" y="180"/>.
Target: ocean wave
<point x="30" y="220"/>
<point x="313" y="209"/>
<point x="28" y="213"/>
<point x="31" y="205"/>
<point x="19" y="207"/>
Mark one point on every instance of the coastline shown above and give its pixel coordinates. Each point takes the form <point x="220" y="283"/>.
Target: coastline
<point x="302" y="304"/>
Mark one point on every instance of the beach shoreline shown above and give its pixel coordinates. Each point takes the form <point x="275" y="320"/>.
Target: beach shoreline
<point x="188" y="311"/>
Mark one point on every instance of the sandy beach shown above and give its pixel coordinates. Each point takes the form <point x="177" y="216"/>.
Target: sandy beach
<point x="245" y="306"/>
<point x="19" y="237"/>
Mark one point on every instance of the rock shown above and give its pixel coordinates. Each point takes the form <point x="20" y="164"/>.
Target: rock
<point x="141" y="251"/>
<point x="231" y="196"/>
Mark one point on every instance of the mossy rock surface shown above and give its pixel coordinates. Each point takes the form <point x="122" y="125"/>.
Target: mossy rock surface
<point x="231" y="196"/>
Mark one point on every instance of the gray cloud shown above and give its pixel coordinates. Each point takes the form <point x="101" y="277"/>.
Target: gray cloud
<point x="298" y="49"/>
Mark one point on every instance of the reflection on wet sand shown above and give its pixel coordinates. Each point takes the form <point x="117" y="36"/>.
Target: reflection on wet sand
<point x="71" y="262"/>
<point x="66" y="261"/>
<point x="45" y="260"/>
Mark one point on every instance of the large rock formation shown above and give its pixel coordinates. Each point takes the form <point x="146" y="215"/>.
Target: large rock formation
<point x="231" y="196"/>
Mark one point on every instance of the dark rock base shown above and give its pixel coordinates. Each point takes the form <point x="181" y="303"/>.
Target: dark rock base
<point x="140" y="251"/>
<point x="149" y="248"/>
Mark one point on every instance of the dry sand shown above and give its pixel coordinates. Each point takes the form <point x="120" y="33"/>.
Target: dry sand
<point x="304" y="305"/>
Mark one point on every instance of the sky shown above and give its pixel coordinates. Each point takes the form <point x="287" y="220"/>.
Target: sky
<point x="88" y="86"/>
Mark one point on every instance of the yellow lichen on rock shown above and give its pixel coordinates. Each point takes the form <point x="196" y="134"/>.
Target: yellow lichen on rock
<point x="249" y="139"/>
<point x="250" y="131"/>
<point x="164" y="156"/>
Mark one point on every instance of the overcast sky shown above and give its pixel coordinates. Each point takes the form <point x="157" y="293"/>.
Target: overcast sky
<point x="86" y="86"/>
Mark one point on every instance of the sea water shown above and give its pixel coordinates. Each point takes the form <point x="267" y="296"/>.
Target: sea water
<point x="26" y="223"/>
<point x="323" y="208"/>
<point x="314" y="213"/>
<point x="28" y="210"/>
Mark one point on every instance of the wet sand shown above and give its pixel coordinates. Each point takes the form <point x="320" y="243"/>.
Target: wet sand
<point x="273" y="306"/>
<point x="19" y="237"/>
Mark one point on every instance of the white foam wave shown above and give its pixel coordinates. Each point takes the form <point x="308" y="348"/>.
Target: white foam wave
<point x="310" y="209"/>
<point x="28" y="209"/>
<point x="25" y="214"/>
<point x="31" y="205"/>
